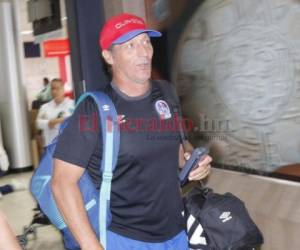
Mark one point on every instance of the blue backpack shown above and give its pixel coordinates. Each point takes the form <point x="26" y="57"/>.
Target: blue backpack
<point x="97" y="203"/>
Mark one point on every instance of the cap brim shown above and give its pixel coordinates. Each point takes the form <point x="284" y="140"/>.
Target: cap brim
<point x="128" y="36"/>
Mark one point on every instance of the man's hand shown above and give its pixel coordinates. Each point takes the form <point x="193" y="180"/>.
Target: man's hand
<point x="202" y="170"/>
<point x="52" y="123"/>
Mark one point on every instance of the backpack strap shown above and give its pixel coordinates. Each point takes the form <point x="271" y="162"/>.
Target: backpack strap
<point x="111" y="144"/>
<point x="169" y="92"/>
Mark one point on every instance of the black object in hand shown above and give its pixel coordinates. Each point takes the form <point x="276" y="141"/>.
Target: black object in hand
<point x="191" y="163"/>
<point x="60" y="114"/>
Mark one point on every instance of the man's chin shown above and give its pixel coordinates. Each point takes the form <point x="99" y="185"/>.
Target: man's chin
<point x="144" y="77"/>
<point x="59" y="99"/>
<point x="143" y="81"/>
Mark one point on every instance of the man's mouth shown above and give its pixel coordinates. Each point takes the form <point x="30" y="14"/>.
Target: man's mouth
<point x="144" y="65"/>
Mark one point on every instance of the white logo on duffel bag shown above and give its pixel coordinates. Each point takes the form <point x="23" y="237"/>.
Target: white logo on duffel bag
<point x="225" y="216"/>
<point x="196" y="238"/>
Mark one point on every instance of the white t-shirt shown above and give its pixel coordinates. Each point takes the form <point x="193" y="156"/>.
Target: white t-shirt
<point x="3" y="159"/>
<point x="49" y="111"/>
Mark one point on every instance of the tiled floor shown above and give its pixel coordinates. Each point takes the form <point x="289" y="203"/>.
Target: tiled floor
<point x="18" y="206"/>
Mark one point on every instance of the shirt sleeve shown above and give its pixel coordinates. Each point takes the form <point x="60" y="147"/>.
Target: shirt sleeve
<point x="41" y="121"/>
<point x="79" y="138"/>
<point x="69" y="108"/>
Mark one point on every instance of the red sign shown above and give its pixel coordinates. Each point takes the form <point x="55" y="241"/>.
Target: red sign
<point x="56" y="48"/>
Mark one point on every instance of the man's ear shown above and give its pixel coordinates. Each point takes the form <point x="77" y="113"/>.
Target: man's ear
<point x="107" y="55"/>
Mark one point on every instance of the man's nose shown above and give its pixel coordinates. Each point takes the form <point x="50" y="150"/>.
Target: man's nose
<point x="142" y="50"/>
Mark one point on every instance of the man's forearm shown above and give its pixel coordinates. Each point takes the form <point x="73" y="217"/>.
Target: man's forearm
<point x="7" y="237"/>
<point x="70" y="204"/>
<point x="52" y="123"/>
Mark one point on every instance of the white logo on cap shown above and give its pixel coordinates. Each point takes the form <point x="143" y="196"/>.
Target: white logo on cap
<point x="163" y="109"/>
<point x="128" y="21"/>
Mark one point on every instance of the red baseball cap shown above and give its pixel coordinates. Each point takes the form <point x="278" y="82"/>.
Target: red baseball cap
<point x="122" y="28"/>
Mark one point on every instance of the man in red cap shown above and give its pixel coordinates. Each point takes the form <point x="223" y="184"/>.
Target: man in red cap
<point x="146" y="202"/>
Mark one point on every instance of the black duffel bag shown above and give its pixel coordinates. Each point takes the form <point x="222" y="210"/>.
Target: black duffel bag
<point x="219" y="221"/>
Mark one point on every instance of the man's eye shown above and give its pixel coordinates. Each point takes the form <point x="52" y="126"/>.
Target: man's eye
<point x="147" y="41"/>
<point x="129" y="46"/>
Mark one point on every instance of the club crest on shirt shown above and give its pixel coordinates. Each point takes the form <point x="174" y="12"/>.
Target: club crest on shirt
<point x="163" y="110"/>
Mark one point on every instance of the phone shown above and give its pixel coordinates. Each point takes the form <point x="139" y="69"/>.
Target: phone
<point x="60" y="114"/>
<point x="191" y="163"/>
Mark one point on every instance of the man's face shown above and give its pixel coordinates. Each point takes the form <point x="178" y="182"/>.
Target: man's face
<point x="57" y="90"/>
<point x="131" y="61"/>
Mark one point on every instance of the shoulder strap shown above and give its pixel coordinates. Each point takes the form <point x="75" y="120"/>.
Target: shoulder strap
<point x="109" y="128"/>
<point x="111" y="143"/>
<point x="169" y="92"/>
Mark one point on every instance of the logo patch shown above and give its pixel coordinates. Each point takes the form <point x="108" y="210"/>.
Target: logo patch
<point x="163" y="110"/>
<point x="225" y="216"/>
<point x="106" y="107"/>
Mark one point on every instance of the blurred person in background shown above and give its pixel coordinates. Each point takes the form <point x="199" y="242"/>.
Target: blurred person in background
<point x="45" y="94"/>
<point x="53" y="113"/>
